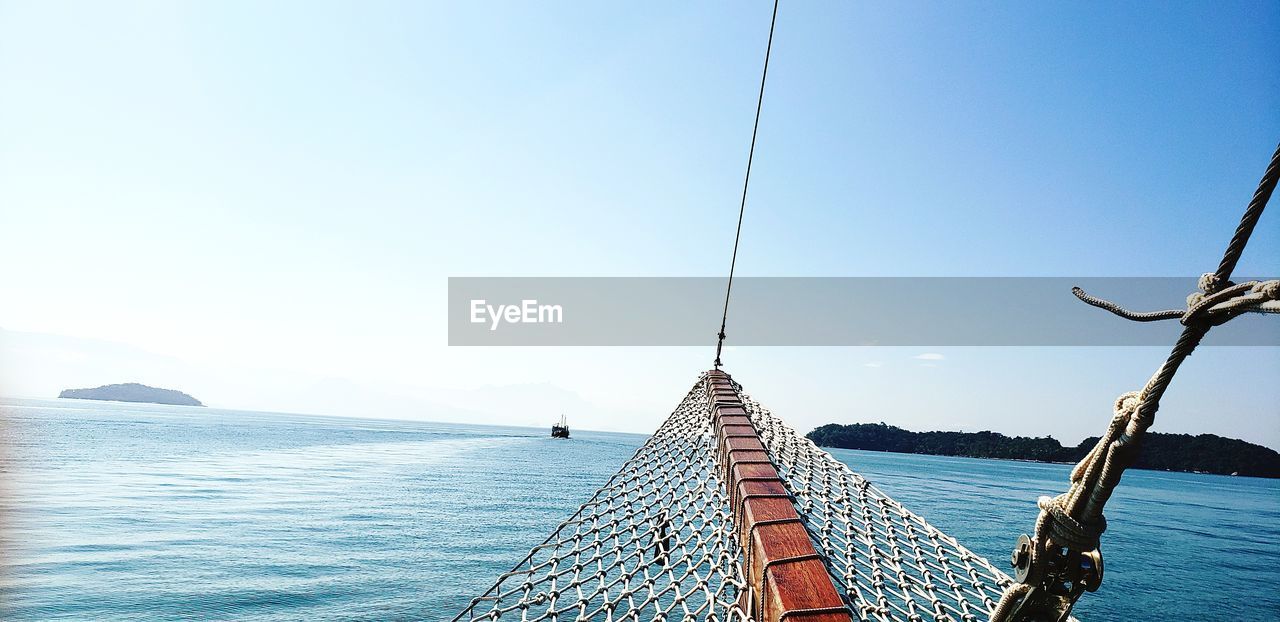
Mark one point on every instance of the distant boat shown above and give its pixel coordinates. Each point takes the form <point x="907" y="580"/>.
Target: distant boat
<point x="560" y="430"/>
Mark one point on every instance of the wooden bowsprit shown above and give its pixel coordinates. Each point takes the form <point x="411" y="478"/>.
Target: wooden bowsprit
<point x="727" y="514"/>
<point x="786" y="577"/>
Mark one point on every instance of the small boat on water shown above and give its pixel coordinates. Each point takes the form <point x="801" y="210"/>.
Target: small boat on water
<point x="560" y="430"/>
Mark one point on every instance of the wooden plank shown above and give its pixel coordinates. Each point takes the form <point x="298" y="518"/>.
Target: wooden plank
<point x="785" y="576"/>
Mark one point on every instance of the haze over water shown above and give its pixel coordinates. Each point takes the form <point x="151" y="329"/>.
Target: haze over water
<point x="147" y="512"/>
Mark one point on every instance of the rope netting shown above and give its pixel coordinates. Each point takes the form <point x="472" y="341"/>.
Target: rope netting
<point x="658" y="541"/>
<point x="655" y="543"/>
<point x="888" y="562"/>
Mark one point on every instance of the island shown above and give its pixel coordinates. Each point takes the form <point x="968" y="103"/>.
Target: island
<point x="132" y="392"/>
<point x="1202" y="453"/>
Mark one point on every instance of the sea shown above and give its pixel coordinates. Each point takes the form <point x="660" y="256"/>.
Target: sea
<point x="116" y="511"/>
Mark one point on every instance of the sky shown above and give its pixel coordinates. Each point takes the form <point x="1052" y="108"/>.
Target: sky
<point x="260" y="203"/>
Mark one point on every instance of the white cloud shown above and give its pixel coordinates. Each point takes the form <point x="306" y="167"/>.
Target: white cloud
<point x="929" y="356"/>
<point x="873" y="364"/>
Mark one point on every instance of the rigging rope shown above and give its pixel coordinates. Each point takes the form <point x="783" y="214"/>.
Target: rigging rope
<point x="1250" y="219"/>
<point x="1062" y="560"/>
<point x="746" y="181"/>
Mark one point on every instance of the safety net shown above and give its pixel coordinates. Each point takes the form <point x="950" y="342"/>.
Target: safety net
<point x="674" y="535"/>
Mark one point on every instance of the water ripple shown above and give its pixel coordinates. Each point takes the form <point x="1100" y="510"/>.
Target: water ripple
<point x="141" y="512"/>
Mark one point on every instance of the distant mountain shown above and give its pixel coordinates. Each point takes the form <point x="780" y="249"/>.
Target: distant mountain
<point x="132" y="392"/>
<point x="1204" y="453"/>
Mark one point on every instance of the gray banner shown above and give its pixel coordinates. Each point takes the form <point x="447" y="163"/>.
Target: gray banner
<point x="822" y="311"/>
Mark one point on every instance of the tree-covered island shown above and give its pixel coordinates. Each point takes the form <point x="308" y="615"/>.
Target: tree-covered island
<point x="1203" y="453"/>
<point x="132" y="392"/>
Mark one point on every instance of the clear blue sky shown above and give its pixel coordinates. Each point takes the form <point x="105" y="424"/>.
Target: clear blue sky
<point x="260" y="202"/>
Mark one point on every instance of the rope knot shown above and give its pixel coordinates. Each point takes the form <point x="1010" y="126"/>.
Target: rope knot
<point x="1206" y="285"/>
<point x="1127" y="402"/>
<point x="1209" y="283"/>
<point x="1066" y="530"/>
<point x="1270" y="290"/>
<point x="1217" y="301"/>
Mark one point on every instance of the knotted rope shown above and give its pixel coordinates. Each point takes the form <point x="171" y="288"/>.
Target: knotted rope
<point x="1217" y="301"/>
<point x="1073" y="521"/>
<point x="1218" y="307"/>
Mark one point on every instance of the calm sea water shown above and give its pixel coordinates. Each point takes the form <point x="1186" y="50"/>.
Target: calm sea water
<point x="142" y="512"/>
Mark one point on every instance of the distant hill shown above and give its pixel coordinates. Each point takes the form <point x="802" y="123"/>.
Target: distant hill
<point x="132" y="392"/>
<point x="1205" y="453"/>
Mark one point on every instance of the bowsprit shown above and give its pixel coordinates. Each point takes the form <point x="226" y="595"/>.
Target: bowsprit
<point x="727" y="514"/>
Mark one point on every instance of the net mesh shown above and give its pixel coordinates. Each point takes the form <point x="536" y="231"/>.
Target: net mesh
<point x="655" y="543"/>
<point x="888" y="563"/>
<point x="658" y="542"/>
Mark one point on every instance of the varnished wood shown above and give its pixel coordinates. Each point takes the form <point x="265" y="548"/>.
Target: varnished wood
<point x="787" y="580"/>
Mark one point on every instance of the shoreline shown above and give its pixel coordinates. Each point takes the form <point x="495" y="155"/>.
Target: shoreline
<point x="1034" y="461"/>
